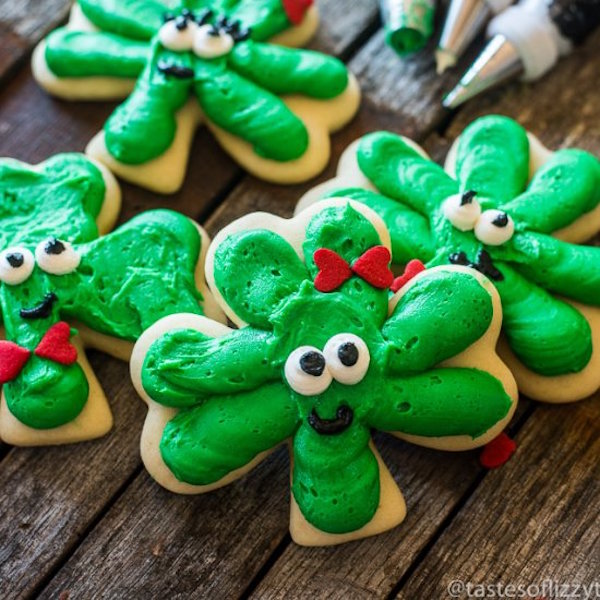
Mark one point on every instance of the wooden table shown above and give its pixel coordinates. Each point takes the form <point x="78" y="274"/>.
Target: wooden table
<point x="86" y="521"/>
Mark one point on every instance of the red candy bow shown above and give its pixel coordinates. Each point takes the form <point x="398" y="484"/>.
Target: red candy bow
<point x="372" y="266"/>
<point x="296" y="9"/>
<point x="54" y="346"/>
<point x="413" y="268"/>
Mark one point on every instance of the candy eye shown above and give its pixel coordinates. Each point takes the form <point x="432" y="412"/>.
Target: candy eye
<point x="16" y="265"/>
<point x="462" y="210"/>
<point x="306" y="371"/>
<point x="211" y="42"/>
<point x="494" y="227"/>
<point x="56" y="257"/>
<point x="347" y="357"/>
<point x="178" y="33"/>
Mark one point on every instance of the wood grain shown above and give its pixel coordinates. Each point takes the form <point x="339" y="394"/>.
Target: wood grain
<point x="535" y="519"/>
<point x="86" y="521"/>
<point x="155" y="544"/>
<point x="22" y="24"/>
<point x="49" y="496"/>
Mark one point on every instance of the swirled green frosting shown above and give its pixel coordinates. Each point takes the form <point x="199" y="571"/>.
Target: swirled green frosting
<point x="124" y="282"/>
<point x="236" y="401"/>
<point x="241" y="91"/>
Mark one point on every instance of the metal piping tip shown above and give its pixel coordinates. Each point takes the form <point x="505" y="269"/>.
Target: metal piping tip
<point x="465" y="20"/>
<point x="499" y="62"/>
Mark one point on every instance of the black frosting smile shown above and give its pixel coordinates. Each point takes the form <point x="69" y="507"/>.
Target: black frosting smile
<point x="41" y="310"/>
<point x="343" y="420"/>
<point x="483" y="264"/>
<point x="173" y="70"/>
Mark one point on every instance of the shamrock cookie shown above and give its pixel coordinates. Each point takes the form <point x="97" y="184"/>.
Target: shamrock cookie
<point x="59" y="264"/>
<point x="514" y="211"/>
<point x="323" y="354"/>
<point x="182" y="63"/>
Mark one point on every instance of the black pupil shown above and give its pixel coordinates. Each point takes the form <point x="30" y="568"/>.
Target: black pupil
<point x="54" y="246"/>
<point x="348" y="354"/>
<point x="501" y="220"/>
<point x="15" y="259"/>
<point x="312" y="363"/>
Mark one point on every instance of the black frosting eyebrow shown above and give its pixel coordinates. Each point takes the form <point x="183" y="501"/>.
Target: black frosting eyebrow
<point x="484" y="264"/>
<point x="467" y="197"/>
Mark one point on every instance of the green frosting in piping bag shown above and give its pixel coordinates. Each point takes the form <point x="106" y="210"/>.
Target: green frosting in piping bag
<point x="527" y="265"/>
<point x="118" y="284"/>
<point x="237" y="79"/>
<point x="248" y="391"/>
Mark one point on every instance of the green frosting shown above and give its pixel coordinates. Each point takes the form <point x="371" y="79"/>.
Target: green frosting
<point x="236" y="400"/>
<point x="548" y="335"/>
<point x="239" y="91"/>
<point x="78" y="54"/>
<point x="123" y="283"/>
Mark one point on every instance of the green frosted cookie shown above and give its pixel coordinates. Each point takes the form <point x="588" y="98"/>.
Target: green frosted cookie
<point x="323" y="355"/>
<point x="61" y="271"/>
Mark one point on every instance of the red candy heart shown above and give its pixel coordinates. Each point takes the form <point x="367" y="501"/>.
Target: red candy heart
<point x="333" y="270"/>
<point x="12" y="360"/>
<point x="497" y="452"/>
<point x="56" y="345"/>
<point x="296" y="9"/>
<point x="413" y="268"/>
<point x="373" y="267"/>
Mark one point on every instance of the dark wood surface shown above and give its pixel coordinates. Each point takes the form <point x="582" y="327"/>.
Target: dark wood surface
<point x="86" y="521"/>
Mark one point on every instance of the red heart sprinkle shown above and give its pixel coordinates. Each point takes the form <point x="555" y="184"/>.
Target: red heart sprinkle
<point x="56" y="345"/>
<point x="296" y="9"/>
<point x="12" y="360"/>
<point x="497" y="452"/>
<point x="373" y="267"/>
<point x="413" y="268"/>
<point x="333" y="270"/>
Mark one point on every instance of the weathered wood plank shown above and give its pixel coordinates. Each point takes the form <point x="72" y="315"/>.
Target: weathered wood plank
<point x="153" y="543"/>
<point x="536" y="519"/>
<point x="59" y="514"/>
<point x="23" y="24"/>
<point x="49" y="496"/>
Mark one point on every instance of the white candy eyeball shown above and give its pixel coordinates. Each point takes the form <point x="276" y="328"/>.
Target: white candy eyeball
<point x="56" y="257"/>
<point x="347" y="357"/>
<point x="178" y="34"/>
<point x="494" y="227"/>
<point x="16" y="265"/>
<point x="462" y="210"/>
<point x="306" y="371"/>
<point x="211" y="42"/>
